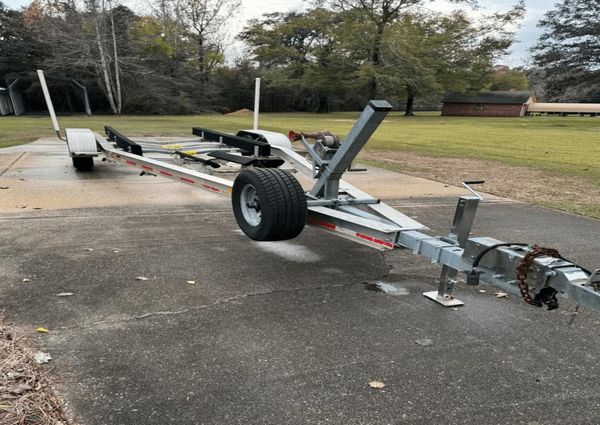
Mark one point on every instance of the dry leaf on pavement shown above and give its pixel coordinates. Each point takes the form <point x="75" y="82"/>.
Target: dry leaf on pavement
<point x="40" y="357"/>
<point x="376" y="384"/>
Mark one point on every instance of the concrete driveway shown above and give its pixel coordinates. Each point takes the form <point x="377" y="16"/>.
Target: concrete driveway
<point x="276" y="333"/>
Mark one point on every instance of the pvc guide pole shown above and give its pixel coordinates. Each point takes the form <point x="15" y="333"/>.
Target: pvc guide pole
<point x="49" y="102"/>
<point x="256" y="103"/>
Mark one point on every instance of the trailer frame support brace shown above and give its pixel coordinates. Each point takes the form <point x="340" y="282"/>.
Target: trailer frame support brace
<point x="327" y="186"/>
<point x="464" y="216"/>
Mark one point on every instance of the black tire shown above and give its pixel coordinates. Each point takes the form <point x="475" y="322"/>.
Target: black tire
<point x="277" y="210"/>
<point x="83" y="163"/>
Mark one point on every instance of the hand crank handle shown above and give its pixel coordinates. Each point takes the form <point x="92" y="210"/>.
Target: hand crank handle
<point x="467" y="185"/>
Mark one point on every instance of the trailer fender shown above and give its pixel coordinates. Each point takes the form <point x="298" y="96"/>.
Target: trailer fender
<point x="271" y="137"/>
<point x="81" y="142"/>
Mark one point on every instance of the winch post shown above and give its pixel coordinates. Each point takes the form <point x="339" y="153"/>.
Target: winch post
<point x="327" y="185"/>
<point x="464" y="216"/>
<point x="49" y="103"/>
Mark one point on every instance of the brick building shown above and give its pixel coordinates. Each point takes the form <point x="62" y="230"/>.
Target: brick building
<point x="488" y="104"/>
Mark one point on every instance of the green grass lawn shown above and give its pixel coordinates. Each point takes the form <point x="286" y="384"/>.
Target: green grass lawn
<point x="565" y="145"/>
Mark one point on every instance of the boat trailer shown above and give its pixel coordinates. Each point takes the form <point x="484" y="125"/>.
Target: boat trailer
<point x="269" y="203"/>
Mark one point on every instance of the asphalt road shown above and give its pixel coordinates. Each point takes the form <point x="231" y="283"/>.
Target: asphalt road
<point x="276" y="333"/>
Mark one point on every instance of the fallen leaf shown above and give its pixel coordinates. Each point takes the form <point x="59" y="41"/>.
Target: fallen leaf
<point x="88" y="249"/>
<point x="141" y="278"/>
<point x="424" y="342"/>
<point x="26" y="280"/>
<point x="65" y="294"/>
<point x="42" y="330"/>
<point x="501" y="294"/>
<point x="376" y="384"/>
<point x="191" y="282"/>
<point x="19" y="389"/>
<point x="4" y="187"/>
<point x="41" y="358"/>
<point x="14" y="375"/>
<point x="7" y="396"/>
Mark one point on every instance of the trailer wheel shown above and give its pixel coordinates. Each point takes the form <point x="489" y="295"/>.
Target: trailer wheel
<point x="83" y="163"/>
<point x="269" y="204"/>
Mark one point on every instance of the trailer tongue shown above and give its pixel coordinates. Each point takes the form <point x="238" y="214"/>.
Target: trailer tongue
<point x="270" y="204"/>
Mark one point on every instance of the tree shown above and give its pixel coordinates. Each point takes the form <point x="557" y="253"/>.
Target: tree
<point x="164" y="38"/>
<point x="20" y="50"/>
<point x="236" y="85"/>
<point x="325" y="55"/>
<point x="305" y="54"/>
<point x="507" y="79"/>
<point x="567" y="54"/>
<point x="112" y="84"/>
<point x="375" y="17"/>
<point x="432" y="53"/>
<point x="205" y="18"/>
<point x="83" y="41"/>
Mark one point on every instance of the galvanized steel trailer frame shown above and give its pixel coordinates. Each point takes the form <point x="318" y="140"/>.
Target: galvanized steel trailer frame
<point x="338" y="207"/>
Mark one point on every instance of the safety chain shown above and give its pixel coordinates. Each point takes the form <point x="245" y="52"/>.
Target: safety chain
<point x="547" y="295"/>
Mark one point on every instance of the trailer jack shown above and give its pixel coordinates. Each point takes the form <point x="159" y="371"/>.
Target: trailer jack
<point x="270" y="204"/>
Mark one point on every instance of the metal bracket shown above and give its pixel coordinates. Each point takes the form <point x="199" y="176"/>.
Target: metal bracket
<point x="327" y="185"/>
<point x="594" y="280"/>
<point x="445" y="300"/>
<point x="245" y="144"/>
<point x="466" y="208"/>
<point x="123" y="141"/>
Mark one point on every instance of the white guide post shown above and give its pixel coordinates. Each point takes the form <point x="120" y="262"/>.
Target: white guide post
<point x="256" y="103"/>
<point x="49" y="102"/>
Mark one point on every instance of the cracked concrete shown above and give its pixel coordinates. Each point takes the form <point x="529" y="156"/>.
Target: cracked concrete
<point x="241" y="296"/>
<point x="263" y="340"/>
<point x="214" y="304"/>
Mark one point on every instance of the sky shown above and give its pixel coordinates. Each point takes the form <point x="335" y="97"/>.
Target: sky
<point x="526" y="35"/>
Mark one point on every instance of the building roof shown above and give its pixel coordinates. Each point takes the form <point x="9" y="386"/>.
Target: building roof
<point x="495" y="97"/>
<point x="584" y="108"/>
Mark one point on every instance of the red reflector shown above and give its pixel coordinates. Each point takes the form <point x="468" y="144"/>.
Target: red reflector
<point x="164" y="173"/>
<point x="183" y="179"/>
<point x="374" y="240"/>
<point x="317" y="222"/>
<point x="365" y="237"/>
<point x="145" y="167"/>
<point x="214" y="189"/>
<point x="130" y="162"/>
